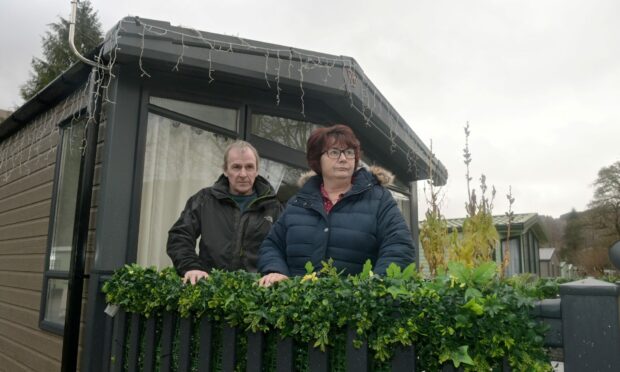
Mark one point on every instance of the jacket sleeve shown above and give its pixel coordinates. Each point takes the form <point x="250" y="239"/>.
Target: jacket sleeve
<point x="181" y="246"/>
<point x="395" y="243"/>
<point x="272" y="252"/>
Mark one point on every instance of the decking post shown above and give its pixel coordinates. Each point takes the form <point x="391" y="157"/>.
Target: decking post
<point x="591" y="325"/>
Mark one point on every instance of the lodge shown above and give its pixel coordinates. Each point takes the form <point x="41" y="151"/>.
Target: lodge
<point x="96" y="167"/>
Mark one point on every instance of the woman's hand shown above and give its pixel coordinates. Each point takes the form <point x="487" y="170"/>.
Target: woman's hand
<point x="270" y="279"/>
<point x="193" y="276"/>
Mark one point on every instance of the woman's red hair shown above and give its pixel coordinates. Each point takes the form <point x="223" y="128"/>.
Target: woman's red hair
<point x="322" y="139"/>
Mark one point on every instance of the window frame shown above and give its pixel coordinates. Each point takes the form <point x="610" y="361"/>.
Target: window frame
<point x="247" y="104"/>
<point x="145" y="109"/>
<point x="48" y="274"/>
<point x="274" y="150"/>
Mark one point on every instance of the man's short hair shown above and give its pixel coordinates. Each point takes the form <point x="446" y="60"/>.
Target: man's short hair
<point x="241" y="145"/>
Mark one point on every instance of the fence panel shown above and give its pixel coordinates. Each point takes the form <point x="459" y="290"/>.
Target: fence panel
<point x="133" y="350"/>
<point x="167" y="338"/>
<point x="285" y="358"/>
<point x="205" y="351"/>
<point x="229" y="344"/>
<point x="150" y="346"/>
<point x="404" y="359"/>
<point x="357" y="358"/>
<point x="185" y="344"/>
<point x="143" y="340"/>
<point x="256" y="348"/>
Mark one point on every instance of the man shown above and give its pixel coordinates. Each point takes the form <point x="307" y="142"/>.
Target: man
<point x="232" y="218"/>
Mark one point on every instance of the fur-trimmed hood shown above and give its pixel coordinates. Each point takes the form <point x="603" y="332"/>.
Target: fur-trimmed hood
<point x="383" y="176"/>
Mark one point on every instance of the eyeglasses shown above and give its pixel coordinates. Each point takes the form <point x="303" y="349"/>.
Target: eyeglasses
<point x="335" y="153"/>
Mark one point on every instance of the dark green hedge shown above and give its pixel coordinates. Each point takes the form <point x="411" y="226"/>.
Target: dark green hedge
<point x="466" y="316"/>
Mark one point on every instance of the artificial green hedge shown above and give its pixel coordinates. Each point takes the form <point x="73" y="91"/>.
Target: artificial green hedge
<point x="466" y="316"/>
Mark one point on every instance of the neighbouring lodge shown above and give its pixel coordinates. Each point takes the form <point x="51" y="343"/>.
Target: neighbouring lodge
<point x="527" y="234"/>
<point x="96" y="167"/>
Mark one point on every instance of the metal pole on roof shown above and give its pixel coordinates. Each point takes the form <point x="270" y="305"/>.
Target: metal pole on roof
<point x="72" y="38"/>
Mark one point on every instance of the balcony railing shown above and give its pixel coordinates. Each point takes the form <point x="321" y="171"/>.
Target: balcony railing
<point x="170" y="343"/>
<point x="584" y="322"/>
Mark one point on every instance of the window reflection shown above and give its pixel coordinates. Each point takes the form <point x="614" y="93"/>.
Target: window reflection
<point x="404" y="205"/>
<point x="66" y="197"/>
<point x="288" y="132"/>
<point x="282" y="177"/>
<point x="56" y="301"/>
<point x="220" y="116"/>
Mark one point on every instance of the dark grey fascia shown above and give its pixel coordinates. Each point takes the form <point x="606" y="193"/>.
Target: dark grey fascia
<point x="156" y="45"/>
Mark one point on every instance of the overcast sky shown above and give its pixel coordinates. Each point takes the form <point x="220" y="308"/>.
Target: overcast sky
<point x="538" y="81"/>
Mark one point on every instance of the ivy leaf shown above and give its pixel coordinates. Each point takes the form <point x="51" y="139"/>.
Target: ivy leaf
<point x="396" y="291"/>
<point x="461" y="355"/>
<point x="409" y="272"/>
<point x="393" y="271"/>
<point x="309" y="267"/>
<point x="474" y="306"/>
<point x="472" y="293"/>
<point x="366" y="270"/>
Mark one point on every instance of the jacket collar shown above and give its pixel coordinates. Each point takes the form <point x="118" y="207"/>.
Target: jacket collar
<point x="362" y="179"/>
<point x="261" y="185"/>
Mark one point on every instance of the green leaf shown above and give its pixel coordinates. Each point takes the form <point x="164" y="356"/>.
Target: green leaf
<point x="366" y="270"/>
<point x="484" y="273"/>
<point x="474" y="306"/>
<point x="396" y="291"/>
<point x="409" y="272"/>
<point x="393" y="271"/>
<point x="458" y="270"/>
<point x="461" y="355"/>
<point x="309" y="267"/>
<point x="472" y="293"/>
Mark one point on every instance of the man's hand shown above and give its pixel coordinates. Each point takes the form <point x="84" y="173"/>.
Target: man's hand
<point x="193" y="276"/>
<point x="270" y="279"/>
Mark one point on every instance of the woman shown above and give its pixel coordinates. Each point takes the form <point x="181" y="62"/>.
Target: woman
<point x="341" y="212"/>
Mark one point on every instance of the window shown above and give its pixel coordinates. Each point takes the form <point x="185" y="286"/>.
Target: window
<point x="404" y="204"/>
<point x="282" y="177"/>
<point x="60" y="236"/>
<point x="534" y="253"/>
<point x="288" y="132"/>
<point x="527" y="261"/>
<point x="514" y="266"/>
<point x="222" y="117"/>
<point x="179" y="160"/>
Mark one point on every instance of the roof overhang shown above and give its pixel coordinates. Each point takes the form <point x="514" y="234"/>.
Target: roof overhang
<point x="338" y="80"/>
<point x="48" y="97"/>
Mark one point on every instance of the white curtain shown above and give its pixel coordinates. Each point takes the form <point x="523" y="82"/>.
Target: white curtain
<point x="179" y="161"/>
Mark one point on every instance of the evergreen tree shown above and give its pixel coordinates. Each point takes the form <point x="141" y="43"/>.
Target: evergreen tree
<point x="57" y="54"/>
<point x="573" y="236"/>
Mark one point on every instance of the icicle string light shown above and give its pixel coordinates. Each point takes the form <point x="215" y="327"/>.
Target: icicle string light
<point x="370" y="107"/>
<point x="143" y="73"/>
<point x="180" y="59"/>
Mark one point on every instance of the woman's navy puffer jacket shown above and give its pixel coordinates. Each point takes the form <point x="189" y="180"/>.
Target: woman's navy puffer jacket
<point x="365" y="224"/>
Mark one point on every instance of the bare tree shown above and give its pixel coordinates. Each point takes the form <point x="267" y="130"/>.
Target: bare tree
<point x="606" y="202"/>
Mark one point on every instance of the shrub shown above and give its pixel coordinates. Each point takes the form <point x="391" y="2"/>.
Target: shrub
<point x="466" y="316"/>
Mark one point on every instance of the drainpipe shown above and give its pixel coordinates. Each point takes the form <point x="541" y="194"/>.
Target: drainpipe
<point x="72" y="37"/>
<point x="71" y="336"/>
<point x="73" y="314"/>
